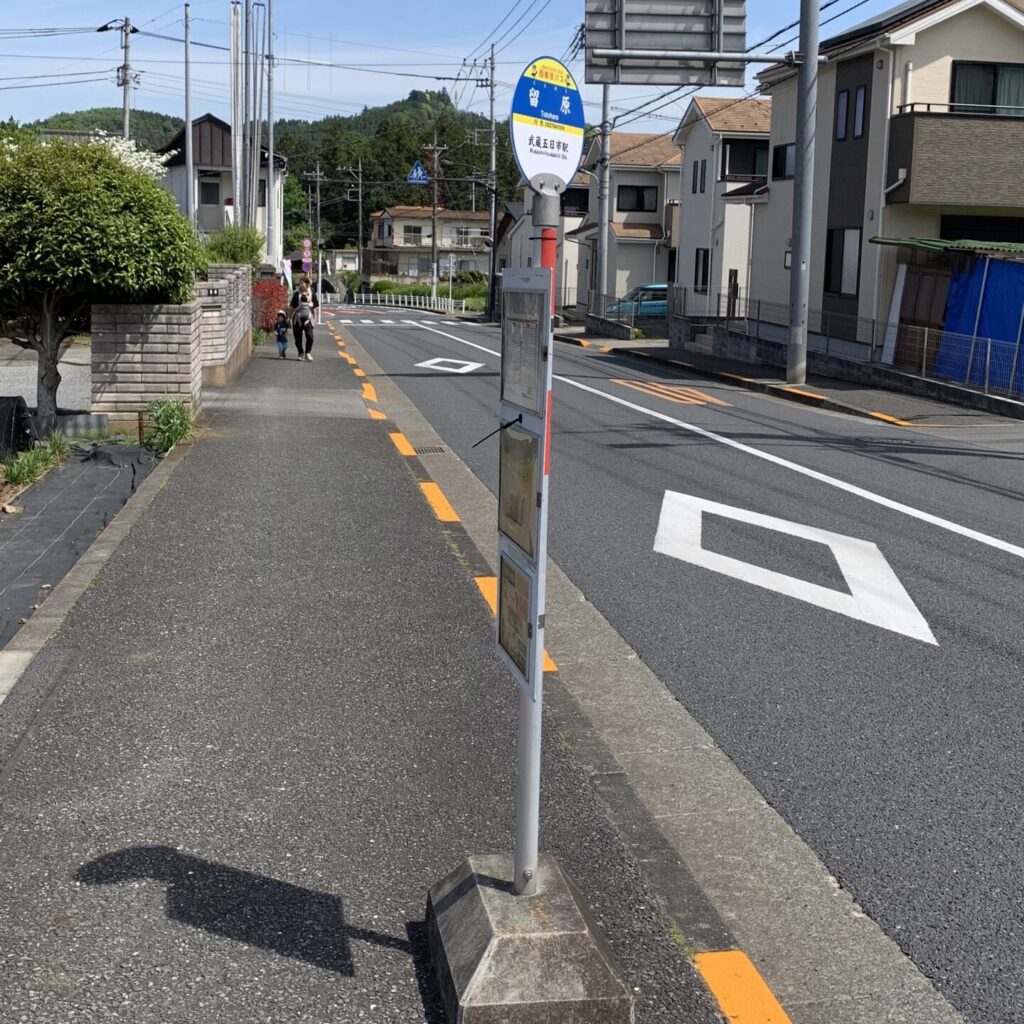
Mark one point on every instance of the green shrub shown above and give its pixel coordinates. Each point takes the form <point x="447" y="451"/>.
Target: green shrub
<point x="474" y="305"/>
<point x="236" y="244"/>
<point x="169" y="424"/>
<point x="384" y="286"/>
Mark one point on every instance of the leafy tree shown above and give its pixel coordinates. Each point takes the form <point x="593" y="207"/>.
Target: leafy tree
<point x="78" y="225"/>
<point x="148" y="128"/>
<point x="236" y="244"/>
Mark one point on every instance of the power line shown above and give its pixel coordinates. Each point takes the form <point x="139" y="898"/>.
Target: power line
<point x="479" y="49"/>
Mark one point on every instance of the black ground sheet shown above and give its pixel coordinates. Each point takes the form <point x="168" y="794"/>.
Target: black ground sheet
<point x="62" y="515"/>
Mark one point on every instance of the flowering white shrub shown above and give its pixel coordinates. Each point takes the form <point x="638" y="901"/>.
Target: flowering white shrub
<point x="128" y="152"/>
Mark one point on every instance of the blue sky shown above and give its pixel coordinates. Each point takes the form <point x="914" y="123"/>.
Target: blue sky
<point x="430" y="37"/>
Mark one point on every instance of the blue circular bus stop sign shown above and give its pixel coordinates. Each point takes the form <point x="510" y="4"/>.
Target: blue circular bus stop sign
<point x="547" y="121"/>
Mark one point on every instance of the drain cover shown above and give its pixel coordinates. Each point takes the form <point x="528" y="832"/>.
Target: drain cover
<point x="430" y="449"/>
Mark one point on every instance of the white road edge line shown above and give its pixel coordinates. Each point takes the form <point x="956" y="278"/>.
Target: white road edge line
<point x="842" y="485"/>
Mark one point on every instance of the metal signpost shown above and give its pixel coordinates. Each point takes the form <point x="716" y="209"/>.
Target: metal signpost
<point x="547" y="124"/>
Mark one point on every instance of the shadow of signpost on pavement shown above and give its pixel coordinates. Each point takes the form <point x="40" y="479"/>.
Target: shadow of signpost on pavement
<point x="285" y="919"/>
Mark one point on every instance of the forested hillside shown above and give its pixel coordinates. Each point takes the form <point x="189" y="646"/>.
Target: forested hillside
<point x="150" y="129"/>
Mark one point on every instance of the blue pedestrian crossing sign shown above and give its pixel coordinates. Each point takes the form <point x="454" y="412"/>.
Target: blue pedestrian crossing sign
<point x="417" y="175"/>
<point x="547" y="121"/>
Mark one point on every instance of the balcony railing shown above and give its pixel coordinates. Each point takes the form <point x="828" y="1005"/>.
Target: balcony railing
<point x="966" y="109"/>
<point x="945" y="156"/>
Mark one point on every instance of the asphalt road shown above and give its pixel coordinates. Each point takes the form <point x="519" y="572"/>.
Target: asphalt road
<point x="887" y="729"/>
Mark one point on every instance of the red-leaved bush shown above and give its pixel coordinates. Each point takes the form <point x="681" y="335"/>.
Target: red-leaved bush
<point x="267" y="298"/>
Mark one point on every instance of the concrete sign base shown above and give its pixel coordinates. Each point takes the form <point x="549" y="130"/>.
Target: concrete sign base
<point x="540" y="959"/>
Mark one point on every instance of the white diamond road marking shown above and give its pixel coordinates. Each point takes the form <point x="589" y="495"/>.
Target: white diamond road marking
<point x="455" y="365"/>
<point x="876" y="595"/>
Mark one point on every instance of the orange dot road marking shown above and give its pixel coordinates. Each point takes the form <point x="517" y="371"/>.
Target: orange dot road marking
<point x="682" y="393"/>
<point x="401" y="442"/>
<point x="438" y="502"/>
<point x="739" y="988"/>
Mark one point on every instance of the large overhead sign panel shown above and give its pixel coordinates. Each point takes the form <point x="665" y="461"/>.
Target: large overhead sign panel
<point x="662" y="42"/>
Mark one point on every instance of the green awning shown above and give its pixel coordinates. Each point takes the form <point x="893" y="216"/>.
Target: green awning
<point x="962" y="245"/>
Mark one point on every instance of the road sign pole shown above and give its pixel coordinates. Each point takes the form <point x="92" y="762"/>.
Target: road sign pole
<point x="546" y="211"/>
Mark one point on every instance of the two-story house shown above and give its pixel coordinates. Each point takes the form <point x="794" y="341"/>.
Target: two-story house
<point x="724" y="145"/>
<point x="400" y="243"/>
<point x="643" y="214"/>
<point x="213" y="184"/>
<point x="919" y="134"/>
<point x="516" y="239"/>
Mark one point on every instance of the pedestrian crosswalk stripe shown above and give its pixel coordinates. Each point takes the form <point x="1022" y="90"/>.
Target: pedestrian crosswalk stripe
<point x="366" y="321"/>
<point x="451" y="323"/>
<point x="681" y="393"/>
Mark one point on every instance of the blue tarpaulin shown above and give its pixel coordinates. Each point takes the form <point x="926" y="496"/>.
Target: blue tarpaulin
<point x="1001" y="295"/>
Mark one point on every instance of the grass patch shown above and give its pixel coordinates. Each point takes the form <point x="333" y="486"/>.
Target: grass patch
<point x="27" y="467"/>
<point x="57" y="446"/>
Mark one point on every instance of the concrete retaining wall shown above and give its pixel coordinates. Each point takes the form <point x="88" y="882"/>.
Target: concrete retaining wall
<point x="715" y="340"/>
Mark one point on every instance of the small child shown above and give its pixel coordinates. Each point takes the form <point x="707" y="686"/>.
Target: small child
<point x="281" y="330"/>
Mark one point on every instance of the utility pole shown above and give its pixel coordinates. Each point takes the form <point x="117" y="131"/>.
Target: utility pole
<point x="316" y="178"/>
<point x="190" y="185"/>
<point x="272" y="240"/>
<point x="126" y="72"/>
<point x="492" y="181"/>
<point x="603" y="200"/>
<point x="359" y="254"/>
<point x="803" y="192"/>
<point x="433" y="153"/>
<point x="246" y="114"/>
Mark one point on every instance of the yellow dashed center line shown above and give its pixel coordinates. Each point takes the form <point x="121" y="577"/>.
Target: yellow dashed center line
<point x="438" y="502"/>
<point x="488" y="587"/>
<point x="358" y="372"/>
<point x="376" y="414"/>
<point x="401" y="442"/>
<point x="739" y="988"/>
<point x="369" y="392"/>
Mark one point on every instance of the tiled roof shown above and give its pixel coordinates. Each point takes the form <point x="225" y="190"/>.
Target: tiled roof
<point x="746" y="116"/>
<point x="424" y="212"/>
<point x="643" y="149"/>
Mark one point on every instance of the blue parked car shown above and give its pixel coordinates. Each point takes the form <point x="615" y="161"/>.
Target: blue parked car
<point x="643" y="300"/>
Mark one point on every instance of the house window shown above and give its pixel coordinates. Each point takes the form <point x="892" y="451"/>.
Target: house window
<point x="262" y="200"/>
<point x="209" y="193"/>
<point x="638" y="198"/>
<point x="412" y="235"/>
<point x="842" y="261"/>
<point x="784" y="161"/>
<point x="744" y="160"/>
<point x="842" y="110"/>
<point x="696" y="176"/>
<point x="463" y="235"/>
<point x="988" y="88"/>
<point x="703" y="175"/>
<point x="859" y="103"/>
<point x="701" y="269"/>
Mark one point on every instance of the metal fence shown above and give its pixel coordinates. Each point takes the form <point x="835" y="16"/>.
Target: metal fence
<point x="401" y="301"/>
<point x="647" y="315"/>
<point x="987" y="364"/>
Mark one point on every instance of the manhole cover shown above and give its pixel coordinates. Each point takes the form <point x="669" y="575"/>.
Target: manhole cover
<point x="431" y="449"/>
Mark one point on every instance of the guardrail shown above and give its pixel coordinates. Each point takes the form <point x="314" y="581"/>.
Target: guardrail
<point x="401" y="301"/>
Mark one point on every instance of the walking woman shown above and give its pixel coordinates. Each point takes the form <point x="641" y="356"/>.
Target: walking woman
<point x="304" y="302"/>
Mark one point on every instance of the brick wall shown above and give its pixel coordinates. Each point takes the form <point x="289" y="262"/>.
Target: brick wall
<point x="141" y="354"/>
<point x="144" y="353"/>
<point x="226" y="301"/>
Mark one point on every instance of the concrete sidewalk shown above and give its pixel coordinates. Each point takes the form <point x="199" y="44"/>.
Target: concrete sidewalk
<point x="272" y="722"/>
<point x="891" y="407"/>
